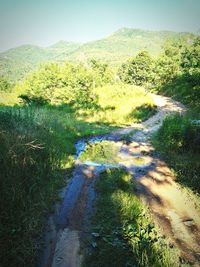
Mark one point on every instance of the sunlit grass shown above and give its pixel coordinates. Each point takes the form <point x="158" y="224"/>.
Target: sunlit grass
<point x="124" y="232"/>
<point x="121" y="105"/>
<point x="10" y="99"/>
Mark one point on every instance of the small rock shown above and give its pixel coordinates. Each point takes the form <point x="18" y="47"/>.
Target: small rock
<point x="188" y="222"/>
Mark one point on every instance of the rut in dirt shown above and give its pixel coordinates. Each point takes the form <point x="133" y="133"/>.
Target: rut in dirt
<point x="177" y="217"/>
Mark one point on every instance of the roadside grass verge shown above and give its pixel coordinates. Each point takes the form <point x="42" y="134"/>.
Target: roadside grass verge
<point x="122" y="230"/>
<point x="36" y="149"/>
<point x="33" y="161"/>
<point x="178" y="141"/>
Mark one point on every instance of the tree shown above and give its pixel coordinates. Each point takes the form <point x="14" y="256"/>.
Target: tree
<point x="138" y="70"/>
<point x="55" y="84"/>
<point x="190" y="57"/>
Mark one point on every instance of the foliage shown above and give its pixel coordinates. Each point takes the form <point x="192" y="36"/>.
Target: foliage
<point x="179" y="134"/>
<point x="185" y="88"/>
<point x="165" y="70"/>
<point x="102" y="72"/>
<point x="56" y="84"/>
<point x="69" y="84"/>
<point x="190" y="57"/>
<point x="137" y="70"/>
<point x="16" y="63"/>
<point x="179" y="141"/>
<point x="5" y="85"/>
<point x="123" y="232"/>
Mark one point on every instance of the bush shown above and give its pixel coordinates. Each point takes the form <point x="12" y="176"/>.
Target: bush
<point x="54" y="84"/>
<point x="179" y="134"/>
<point x="66" y="84"/>
<point x="137" y="70"/>
<point x="185" y="88"/>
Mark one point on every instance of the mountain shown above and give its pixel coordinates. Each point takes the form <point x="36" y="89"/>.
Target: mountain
<point x="125" y="43"/>
<point x="115" y="49"/>
<point x="17" y="62"/>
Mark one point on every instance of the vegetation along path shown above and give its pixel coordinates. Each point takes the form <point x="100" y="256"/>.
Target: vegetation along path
<point x="174" y="213"/>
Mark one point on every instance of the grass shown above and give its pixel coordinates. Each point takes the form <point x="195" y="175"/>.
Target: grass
<point x="121" y="105"/>
<point x="36" y="148"/>
<point x="33" y="160"/>
<point x="178" y="142"/>
<point x="122" y="230"/>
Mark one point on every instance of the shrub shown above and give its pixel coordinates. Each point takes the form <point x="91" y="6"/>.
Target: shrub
<point x="31" y="163"/>
<point x="56" y="84"/>
<point x="179" y="133"/>
<point x="137" y="70"/>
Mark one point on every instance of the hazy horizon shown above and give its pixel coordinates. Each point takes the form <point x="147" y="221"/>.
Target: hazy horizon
<point x="82" y="43"/>
<point x="44" y="23"/>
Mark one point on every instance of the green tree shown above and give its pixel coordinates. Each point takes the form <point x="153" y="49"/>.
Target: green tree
<point x="103" y="74"/>
<point x="138" y="70"/>
<point x="54" y="84"/>
<point x="190" y="57"/>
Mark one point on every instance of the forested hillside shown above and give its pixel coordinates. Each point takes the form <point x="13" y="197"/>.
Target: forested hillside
<point x="115" y="49"/>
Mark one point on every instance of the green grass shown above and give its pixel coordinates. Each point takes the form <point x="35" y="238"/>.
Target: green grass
<point x="121" y="105"/>
<point x="122" y="230"/>
<point x="178" y="140"/>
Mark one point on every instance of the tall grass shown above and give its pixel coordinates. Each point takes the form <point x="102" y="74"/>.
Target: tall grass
<point x="121" y="105"/>
<point x="123" y="232"/>
<point x="32" y="160"/>
<point x="36" y="148"/>
<point x="179" y="142"/>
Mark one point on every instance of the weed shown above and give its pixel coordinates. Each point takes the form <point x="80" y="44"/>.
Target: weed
<point x="124" y="232"/>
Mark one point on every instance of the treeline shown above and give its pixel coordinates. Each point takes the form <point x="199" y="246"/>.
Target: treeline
<point x="65" y="84"/>
<point x="176" y="72"/>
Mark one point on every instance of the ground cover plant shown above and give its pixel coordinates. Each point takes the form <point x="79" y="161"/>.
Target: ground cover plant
<point x="122" y="230"/>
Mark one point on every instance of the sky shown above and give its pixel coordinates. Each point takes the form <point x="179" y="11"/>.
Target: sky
<point x="45" y="22"/>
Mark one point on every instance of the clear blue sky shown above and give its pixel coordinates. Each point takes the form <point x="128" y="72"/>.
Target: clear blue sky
<point x="44" y="22"/>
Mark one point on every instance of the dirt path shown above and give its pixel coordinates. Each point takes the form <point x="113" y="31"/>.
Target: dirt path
<point x="177" y="216"/>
